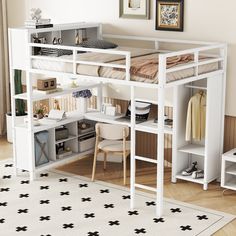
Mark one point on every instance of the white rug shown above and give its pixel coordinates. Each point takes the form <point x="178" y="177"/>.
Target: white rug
<point x="62" y="204"/>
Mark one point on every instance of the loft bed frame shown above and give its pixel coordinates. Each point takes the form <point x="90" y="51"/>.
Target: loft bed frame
<point x="160" y="88"/>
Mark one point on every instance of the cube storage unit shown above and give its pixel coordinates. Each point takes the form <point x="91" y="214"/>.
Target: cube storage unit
<point x="228" y="170"/>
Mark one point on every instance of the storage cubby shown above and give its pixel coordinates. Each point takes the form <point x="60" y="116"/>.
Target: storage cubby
<point x="228" y="170"/>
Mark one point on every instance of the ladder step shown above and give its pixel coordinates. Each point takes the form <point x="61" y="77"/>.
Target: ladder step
<point x="146" y="159"/>
<point x="145" y="187"/>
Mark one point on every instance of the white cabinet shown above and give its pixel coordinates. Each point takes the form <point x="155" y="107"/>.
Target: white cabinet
<point x="228" y="170"/>
<point x="207" y="153"/>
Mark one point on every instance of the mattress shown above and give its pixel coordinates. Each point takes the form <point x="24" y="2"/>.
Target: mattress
<point x="109" y="72"/>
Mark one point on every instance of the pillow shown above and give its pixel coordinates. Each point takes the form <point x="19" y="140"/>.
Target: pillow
<point x="97" y="43"/>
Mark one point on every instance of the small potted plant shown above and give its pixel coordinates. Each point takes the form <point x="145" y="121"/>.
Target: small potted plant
<point x="82" y="99"/>
<point x="20" y="107"/>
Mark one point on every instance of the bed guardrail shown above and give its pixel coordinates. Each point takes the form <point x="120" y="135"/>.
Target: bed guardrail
<point x="163" y="57"/>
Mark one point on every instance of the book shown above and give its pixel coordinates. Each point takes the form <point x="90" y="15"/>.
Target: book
<point x="40" y="21"/>
<point x="39" y="26"/>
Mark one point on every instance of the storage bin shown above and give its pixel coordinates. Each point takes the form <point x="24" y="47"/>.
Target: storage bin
<point x="85" y="126"/>
<point x="41" y="148"/>
<point x="61" y="133"/>
<point x="86" y="142"/>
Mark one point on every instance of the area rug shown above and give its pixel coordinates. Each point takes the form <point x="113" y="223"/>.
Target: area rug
<point x="58" y="204"/>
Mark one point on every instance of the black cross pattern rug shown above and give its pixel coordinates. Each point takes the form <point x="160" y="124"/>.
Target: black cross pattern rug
<point x="59" y="204"/>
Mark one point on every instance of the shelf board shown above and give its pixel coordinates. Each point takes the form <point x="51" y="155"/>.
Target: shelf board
<point x="151" y="127"/>
<point x="63" y="161"/>
<point x="190" y="179"/>
<point x="87" y="133"/>
<point x="71" y="117"/>
<point x="100" y="117"/>
<point x="231" y="170"/>
<point x="37" y="95"/>
<point x="71" y="137"/>
<point x="231" y="184"/>
<point x="193" y="149"/>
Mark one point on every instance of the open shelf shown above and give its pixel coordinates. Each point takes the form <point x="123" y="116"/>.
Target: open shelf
<point x="37" y="95"/>
<point x="230" y="184"/>
<point x="151" y="127"/>
<point x="231" y="170"/>
<point x="193" y="149"/>
<point x="71" y="137"/>
<point x="189" y="178"/>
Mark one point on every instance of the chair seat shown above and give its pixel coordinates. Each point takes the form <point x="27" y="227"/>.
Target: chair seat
<point x="113" y="146"/>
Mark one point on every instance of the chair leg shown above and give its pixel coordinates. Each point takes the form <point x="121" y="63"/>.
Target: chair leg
<point x="105" y="161"/>
<point x="94" y="163"/>
<point x="124" y="167"/>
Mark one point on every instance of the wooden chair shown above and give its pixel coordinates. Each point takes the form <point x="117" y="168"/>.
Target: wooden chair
<point x="111" y="138"/>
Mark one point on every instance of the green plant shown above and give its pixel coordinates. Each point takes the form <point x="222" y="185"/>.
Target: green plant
<point x="20" y="105"/>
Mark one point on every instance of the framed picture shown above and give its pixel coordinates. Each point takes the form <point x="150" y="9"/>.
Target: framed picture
<point x="170" y="15"/>
<point x="135" y="9"/>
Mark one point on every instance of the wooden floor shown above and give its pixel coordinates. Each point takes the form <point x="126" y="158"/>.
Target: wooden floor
<point x="182" y="191"/>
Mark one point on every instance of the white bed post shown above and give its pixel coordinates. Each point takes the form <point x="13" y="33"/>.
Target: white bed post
<point x="132" y="150"/>
<point x="13" y="101"/>
<point x="30" y="115"/>
<point x="160" y="140"/>
<point x="223" y="54"/>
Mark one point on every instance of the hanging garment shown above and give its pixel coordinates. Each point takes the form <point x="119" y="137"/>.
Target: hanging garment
<point x="196" y="117"/>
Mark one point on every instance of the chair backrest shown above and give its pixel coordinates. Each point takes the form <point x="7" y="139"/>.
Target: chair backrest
<point x="111" y="131"/>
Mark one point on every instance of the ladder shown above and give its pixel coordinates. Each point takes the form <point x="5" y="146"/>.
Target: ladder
<point x="160" y="154"/>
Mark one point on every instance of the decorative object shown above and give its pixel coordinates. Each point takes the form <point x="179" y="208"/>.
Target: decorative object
<point x="81" y="101"/>
<point x="170" y="15"/>
<point x="20" y="106"/>
<point x="56" y="105"/>
<point x="46" y="84"/>
<point x="135" y="9"/>
<point x="35" y="14"/>
<point x="41" y="111"/>
<point x="73" y="203"/>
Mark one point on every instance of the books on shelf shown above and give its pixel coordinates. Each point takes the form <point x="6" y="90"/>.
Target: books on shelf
<point x="37" y="24"/>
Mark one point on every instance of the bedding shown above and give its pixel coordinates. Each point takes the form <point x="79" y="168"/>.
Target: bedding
<point x="144" y="65"/>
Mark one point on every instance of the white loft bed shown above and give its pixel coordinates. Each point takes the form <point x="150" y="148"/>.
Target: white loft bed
<point x="215" y="87"/>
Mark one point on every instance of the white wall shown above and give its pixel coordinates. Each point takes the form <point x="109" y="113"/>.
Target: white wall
<point x="16" y="12"/>
<point x="212" y="20"/>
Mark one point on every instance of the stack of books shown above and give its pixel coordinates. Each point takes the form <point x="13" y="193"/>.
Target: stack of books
<point x="37" y="24"/>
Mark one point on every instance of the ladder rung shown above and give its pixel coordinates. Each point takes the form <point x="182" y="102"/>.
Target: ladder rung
<point x="146" y="159"/>
<point x="145" y="187"/>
